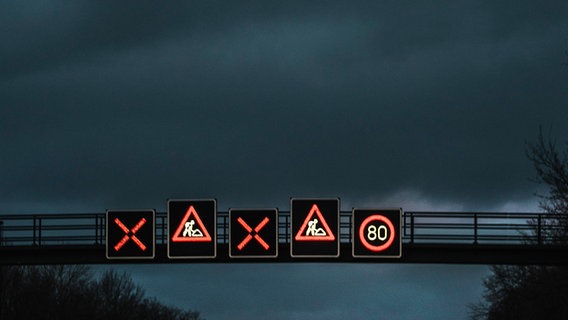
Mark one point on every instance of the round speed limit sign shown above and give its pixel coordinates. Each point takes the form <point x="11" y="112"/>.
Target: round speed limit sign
<point x="376" y="233"/>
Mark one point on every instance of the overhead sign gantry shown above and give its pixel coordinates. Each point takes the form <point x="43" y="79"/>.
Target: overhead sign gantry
<point x="313" y="231"/>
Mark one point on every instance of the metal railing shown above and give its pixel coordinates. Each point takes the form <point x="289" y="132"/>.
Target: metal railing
<point x="417" y="227"/>
<point x="484" y="228"/>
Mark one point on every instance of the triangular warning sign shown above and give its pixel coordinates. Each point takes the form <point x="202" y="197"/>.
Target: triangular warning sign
<point x="314" y="232"/>
<point x="187" y="231"/>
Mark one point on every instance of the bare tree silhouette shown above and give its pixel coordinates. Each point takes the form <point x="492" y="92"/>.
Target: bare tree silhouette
<point x="535" y="292"/>
<point x="71" y="292"/>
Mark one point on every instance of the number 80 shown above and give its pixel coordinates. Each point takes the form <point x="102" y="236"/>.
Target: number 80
<point x="374" y="233"/>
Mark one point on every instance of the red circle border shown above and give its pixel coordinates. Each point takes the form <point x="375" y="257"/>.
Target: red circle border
<point x="376" y="217"/>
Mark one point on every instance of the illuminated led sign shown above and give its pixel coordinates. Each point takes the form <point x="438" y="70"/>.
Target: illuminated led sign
<point x="376" y="233"/>
<point x="192" y="229"/>
<point x="130" y="234"/>
<point x="314" y="227"/>
<point x="253" y="233"/>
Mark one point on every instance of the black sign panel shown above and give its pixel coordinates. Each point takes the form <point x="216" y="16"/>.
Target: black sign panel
<point x="253" y="233"/>
<point x="192" y="229"/>
<point x="130" y="234"/>
<point x="377" y="233"/>
<point x="314" y="227"/>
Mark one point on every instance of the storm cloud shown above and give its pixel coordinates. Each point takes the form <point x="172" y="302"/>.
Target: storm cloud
<point x="108" y="100"/>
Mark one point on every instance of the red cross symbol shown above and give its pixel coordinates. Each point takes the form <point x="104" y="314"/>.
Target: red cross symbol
<point x="130" y="234"/>
<point x="250" y="236"/>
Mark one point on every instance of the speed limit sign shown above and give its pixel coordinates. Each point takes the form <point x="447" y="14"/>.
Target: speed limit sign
<point x="376" y="233"/>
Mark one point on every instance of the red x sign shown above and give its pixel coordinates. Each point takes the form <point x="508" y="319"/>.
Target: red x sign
<point x="126" y="237"/>
<point x="250" y="236"/>
<point x="130" y="234"/>
<point x="253" y="233"/>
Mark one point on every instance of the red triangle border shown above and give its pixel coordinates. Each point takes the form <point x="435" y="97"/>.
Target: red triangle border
<point x="330" y="236"/>
<point x="206" y="237"/>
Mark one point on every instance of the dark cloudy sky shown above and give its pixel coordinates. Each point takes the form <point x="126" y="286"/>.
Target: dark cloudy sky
<point x="424" y="106"/>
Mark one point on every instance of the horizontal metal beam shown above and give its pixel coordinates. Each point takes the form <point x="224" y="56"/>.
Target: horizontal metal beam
<point x="427" y="237"/>
<point x="411" y="253"/>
